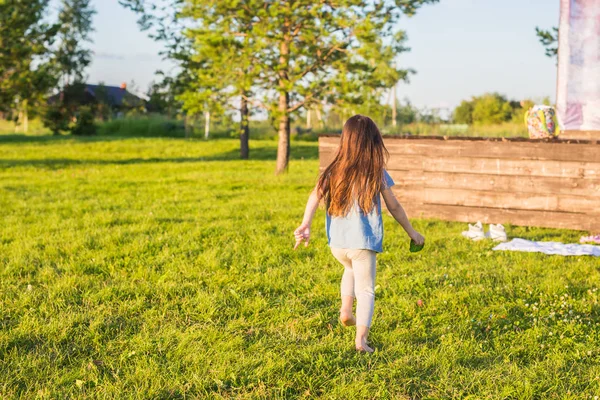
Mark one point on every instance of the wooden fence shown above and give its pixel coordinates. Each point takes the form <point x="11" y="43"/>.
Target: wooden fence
<point x="521" y="182"/>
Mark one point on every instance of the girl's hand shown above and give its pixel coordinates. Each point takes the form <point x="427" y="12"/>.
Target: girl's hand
<point x="417" y="237"/>
<point x="302" y="234"/>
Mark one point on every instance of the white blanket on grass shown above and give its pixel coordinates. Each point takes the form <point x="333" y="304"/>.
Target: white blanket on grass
<point x="550" y="248"/>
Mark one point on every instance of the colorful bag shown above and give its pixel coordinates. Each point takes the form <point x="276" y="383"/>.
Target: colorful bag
<point x="541" y="122"/>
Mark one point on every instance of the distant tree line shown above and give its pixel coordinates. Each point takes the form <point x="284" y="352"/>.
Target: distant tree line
<point x="492" y="108"/>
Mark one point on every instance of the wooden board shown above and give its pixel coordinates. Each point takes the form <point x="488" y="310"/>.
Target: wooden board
<point x="585" y="135"/>
<point x="544" y="219"/>
<point x="507" y="200"/>
<point x="501" y="183"/>
<point x="480" y="149"/>
<point x="489" y="166"/>
<point x="501" y="200"/>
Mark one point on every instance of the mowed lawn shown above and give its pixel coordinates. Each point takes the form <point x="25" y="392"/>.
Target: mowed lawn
<point x="163" y="268"/>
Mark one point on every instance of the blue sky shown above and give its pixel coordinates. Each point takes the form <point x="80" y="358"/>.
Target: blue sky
<point x="460" y="48"/>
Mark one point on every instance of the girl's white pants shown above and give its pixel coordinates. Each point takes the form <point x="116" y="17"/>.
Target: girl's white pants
<point x="359" y="280"/>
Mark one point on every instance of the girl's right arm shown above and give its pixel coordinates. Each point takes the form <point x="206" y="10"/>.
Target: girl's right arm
<point x="302" y="233"/>
<point x="395" y="208"/>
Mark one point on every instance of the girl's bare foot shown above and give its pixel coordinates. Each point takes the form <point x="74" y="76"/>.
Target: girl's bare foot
<point x="362" y="346"/>
<point x="362" y="333"/>
<point x="347" y="319"/>
<point x="346" y="316"/>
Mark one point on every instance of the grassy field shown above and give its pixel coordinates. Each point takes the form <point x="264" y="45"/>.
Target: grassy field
<point x="161" y="126"/>
<point x="163" y="268"/>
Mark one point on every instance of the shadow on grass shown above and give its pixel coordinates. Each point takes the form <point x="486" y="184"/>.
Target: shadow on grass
<point x="43" y="139"/>
<point x="298" y="152"/>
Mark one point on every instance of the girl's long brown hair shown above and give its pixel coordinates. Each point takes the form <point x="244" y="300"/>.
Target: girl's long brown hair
<point x="356" y="172"/>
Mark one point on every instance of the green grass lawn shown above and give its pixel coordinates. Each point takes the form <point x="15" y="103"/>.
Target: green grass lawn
<point x="163" y="268"/>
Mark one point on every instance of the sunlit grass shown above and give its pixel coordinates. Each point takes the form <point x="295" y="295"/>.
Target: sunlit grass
<point x="163" y="268"/>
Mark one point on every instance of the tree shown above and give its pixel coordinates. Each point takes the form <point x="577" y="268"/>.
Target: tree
<point x="162" y="97"/>
<point x="63" y="112"/>
<point x="26" y="69"/>
<point x="161" y="19"/>
<point x="549" y="39"/>
<point x="70" y="60"/>
<point x="463" y="114"/>
<point x="223" y="59"/>
<point x="363" y="79"/>
<point x="491" y="108"/>
<point x="314" y="48"/>
<point x="75" y="20"/>
<point x="214" y="51"/>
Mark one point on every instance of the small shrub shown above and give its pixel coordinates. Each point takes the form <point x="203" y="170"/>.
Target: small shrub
<point x="85" y="125"/>
<point x="56" y="119"/>
<point x="151" y="126"/>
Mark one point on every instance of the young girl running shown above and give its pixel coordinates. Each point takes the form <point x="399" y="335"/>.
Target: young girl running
<point x="350" y="187"/>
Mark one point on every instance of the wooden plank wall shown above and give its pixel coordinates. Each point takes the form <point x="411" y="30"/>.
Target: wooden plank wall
<point x="530" y="183"/>
<point x="586" y="135"/>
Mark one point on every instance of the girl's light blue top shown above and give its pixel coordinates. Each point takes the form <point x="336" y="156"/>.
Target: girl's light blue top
<point x="358" y="230"/>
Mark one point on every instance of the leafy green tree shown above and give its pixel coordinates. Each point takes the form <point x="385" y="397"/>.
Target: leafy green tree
<point x="315" y="50"/>
<point x="161" y="98"/>
<point x="26" y="69"/>
<point x="214" y="51"/>
<point x="491" y="108"/>
<point x="162" y="20"/>
<point x="463" y="114"/>
<point x="72" y="57"/>
<point x="223" y="59"/>
<point x="549" y="39"/>
<point x="363" y="78"/>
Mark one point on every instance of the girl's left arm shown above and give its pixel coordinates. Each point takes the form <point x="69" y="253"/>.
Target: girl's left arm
<point x="302" y="233"/>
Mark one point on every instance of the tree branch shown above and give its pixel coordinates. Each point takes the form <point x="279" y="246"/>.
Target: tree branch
<point x="255" y="102"/>
<point x="300" y="104"/>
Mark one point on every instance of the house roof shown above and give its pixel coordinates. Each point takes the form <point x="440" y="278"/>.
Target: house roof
<point x="114" y="95"/>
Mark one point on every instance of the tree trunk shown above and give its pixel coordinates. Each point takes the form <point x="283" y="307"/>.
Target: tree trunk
<point x="206" y="124"/>
<point x="308" y="125"/>
<point x="244" y="130"/>
<point x="187" y="126"/>
<point x="19" y="119"/>
<point x="25" y="118"/>
<point x="319" y="117"/>
<point x="283" y="149"/>
<point x="394" y="106"/>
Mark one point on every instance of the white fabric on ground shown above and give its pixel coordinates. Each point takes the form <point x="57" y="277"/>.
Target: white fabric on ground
<point x="550" y="248"/>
